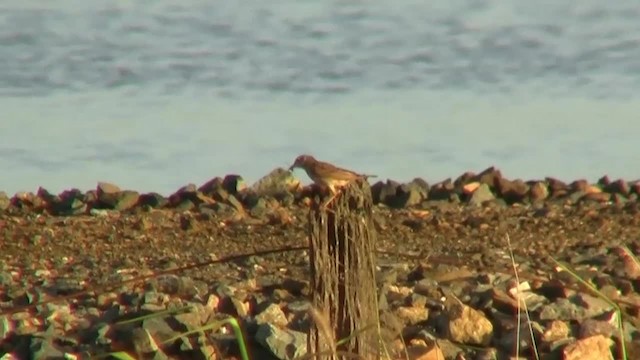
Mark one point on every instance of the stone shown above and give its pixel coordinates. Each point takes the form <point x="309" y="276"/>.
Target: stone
<point x="5" y="201"/>
<point x="407" y="195"/>
<point x="466" y="325"/>
<point x="412" y="315"/>
<point x="283" y="343"/>
<point x="599" y="197"/>
<point x="464" y="179"/>
<point x="555" y="330"/>
<point x="579" y="185"/>
<point x="69" y="202"/>
<point x="384" y="192"/>
<point x="126" y="200"/>
<point x="538" y="191"/>
<point x="233" y="184"/>
<point x="211" y="186"/>
<point x="604" y="181"/>
<point x="490" y="176"/>
<point x="591" y="327"/>
<point x="153" y="200"/>
<point x="43" y="348"/>
<point x="276" y="183"/>
<point x="481" y="195"/>
<point x="630" y="268"/>
<point x="469" y="188"/>
<point x="107" y="188"/>
<point x="512" y="191"/>
<point x="442" y="191"/>
<point x="595" y="347"/>
<point x="557" y="187"/>
<point x="618" y="187"/>
<point x="273" y="314"/>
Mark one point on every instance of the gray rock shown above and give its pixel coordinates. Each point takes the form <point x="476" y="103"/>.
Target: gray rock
<point x="158" y="329"/>
<point x="194" y="318"/>
<point x="272" y="314"/>
<point x="126" y="200"/>
<point x="442" y="191"/>
<point x="384" y="192"/>
<point x="283" y="343"/>
<point x="153" y="200"/>
<point x="5" y="201"/>
<point x="43" y="349"/>
<point x="277" y="183"/>
<point x="481" y="195"/>
<point x="233" y="184"/>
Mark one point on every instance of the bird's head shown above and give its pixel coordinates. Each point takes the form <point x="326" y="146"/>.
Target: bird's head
<point x="303" y="162"/>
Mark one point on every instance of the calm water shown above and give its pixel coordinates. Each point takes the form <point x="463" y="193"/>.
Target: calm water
<point x="155" y="94"/>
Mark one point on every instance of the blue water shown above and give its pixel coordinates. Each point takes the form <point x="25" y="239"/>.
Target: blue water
<point x="152" y="95"/>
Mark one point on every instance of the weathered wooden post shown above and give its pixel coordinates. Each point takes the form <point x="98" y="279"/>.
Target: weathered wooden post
<point x="342" y="254"/>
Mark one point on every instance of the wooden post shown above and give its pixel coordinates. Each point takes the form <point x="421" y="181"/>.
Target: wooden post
<point x="344" y="294"/>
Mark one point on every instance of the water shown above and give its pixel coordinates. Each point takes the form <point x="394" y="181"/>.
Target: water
<point x="152" y="95"/>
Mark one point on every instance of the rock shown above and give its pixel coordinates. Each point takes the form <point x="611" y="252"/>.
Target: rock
<point x="277" y="183"/>
<point x="619" y="199"/>
<point x="557" y="187"/>
<point x="599" y="197"/>
<point x="107" y="188"/>
<point x="481" y="195"/>
<point x="194" y="318"/>
<point x="407" y="195"/>
<point x="120" y="200"/>
<point x="591" y="327"/>
<point x="630" y="268"/>
<point x="591" y="348"/>
<point x="412" y="315"/>
<point x="464" y="179"/>
<point x="273" y="314"/>
<point x="145" y="344"/>
<point x="43" y="348"/>
<point x="511" y="338"/>
<point x="618" y="187"/>
<point x="490" y="176"/>
<point x="210" y="186"/>
<point x="185" y="193"/>
<point x="593" y="305"/>
<point x="153" y="200"/>
<point x="470" y="188"/>
<point x="604" y="181"/>
<point x="538" y="191"/>
<point x="126" y="200"/>
<point x="69" y="202"/>
<point x="5" y="202"/>
<point x="283" y="343"/>
<point x="442" y="191"/>
<point x="512" y="191"/>
<point x="556" y="330"/>
<point x="158" y="329"/>
<point x="466" y="325"/>
<point x="579" y="185"/>
<point x="384" y="192"/>
<point x="233" y="184"/>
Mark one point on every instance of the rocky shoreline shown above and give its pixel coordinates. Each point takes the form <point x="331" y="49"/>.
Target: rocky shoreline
<point x="445" y="273"/>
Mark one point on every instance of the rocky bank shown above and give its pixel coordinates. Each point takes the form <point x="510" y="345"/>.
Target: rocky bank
<point x="446" y="279"/>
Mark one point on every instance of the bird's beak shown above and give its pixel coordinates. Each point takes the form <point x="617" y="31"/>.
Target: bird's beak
<point x="292" y="167"/>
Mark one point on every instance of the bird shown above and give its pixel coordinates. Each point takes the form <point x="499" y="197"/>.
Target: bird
<point x="326" y="174"/>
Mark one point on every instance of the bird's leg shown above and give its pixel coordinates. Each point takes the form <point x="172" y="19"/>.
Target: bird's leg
<point x="333" y="197"/>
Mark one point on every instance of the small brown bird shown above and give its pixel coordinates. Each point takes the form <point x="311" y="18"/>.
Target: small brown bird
<point x="327" y="175"/>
